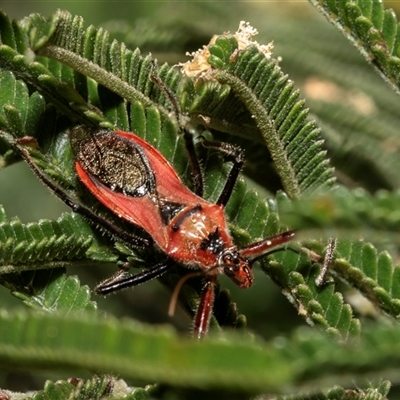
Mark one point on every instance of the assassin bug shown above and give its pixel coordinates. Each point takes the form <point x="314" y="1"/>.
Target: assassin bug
<point x="132" y="179"/>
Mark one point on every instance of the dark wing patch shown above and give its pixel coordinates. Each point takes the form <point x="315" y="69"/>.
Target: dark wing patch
<point x="116" y="162"/>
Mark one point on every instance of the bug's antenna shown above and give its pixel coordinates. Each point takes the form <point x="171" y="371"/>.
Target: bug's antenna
<point x="174" y="298"/>
<point x="172" y="99"/>
<point x="194" y="162"/>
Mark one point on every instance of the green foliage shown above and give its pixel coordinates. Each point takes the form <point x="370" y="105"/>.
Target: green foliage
<point x="91" y="389"/>
<point x="295" y="143"/>
<point x="45" y="241"/>
<point x="161" y="355"/>
<point x="372" y="29"/>
<point x="56" y="73"/>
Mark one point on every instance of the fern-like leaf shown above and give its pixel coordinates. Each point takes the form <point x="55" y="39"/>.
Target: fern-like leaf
<point x="13" y="58"/>
<point x="371" y="272"/>
<point x="323" y="307"/>
<point x="294" y="143"/>
<point x="372" y="29"/>
<point x="51" y="292"/>
<point x="90" y="51"/>
<point x="140" y="352"/>
<point x="61" y="240"/>
<point x="99" y="387"/>
<point x="345" y="214"/>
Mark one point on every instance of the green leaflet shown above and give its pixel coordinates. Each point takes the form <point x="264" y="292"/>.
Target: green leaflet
<point x="372" y="29"/>
<point x="52" y="292"/>
<point x="343" y="212"/>
<point x="64" y="239"/>
<point x="294" y="143"/>
<point x="20" y="113"/>
<point x="135" y="351"/>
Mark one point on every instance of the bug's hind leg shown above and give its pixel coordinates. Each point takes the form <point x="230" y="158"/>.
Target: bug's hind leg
<point x="122" y="280"/>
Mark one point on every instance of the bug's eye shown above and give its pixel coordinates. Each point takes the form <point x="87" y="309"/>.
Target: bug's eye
<point x="241" y="274"/>
<point x="231" y="270"/>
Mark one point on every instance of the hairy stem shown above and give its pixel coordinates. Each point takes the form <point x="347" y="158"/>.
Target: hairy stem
<point x="268" y="131"/>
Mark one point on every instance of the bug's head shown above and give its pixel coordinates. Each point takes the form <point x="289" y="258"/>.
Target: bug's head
<point x="236" y="267"/>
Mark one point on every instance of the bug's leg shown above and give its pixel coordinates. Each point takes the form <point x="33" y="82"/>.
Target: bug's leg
<point x="265" y="246"/>
<point x="237" y="154"/>
<point x="194" y="163"/>
<point x="193" y="160"/>
<point x="168" y="94"/>
<point x="121" y="280"/>
<point x="126" y="237"/>
<point x="204" y="311"/>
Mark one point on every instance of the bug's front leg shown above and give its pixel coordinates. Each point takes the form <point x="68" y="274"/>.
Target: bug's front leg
<point x="229" y="151"/>
<point x="202" y="318"/>
<point x="237" y="155"/>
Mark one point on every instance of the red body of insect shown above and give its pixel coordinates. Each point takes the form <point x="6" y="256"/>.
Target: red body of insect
<point x="134" y="180"/>
<point x="183" y="225"/>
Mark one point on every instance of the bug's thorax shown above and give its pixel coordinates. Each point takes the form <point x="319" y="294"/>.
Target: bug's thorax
<point x="198" y="234"/>
<point x="199" y="237"/>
